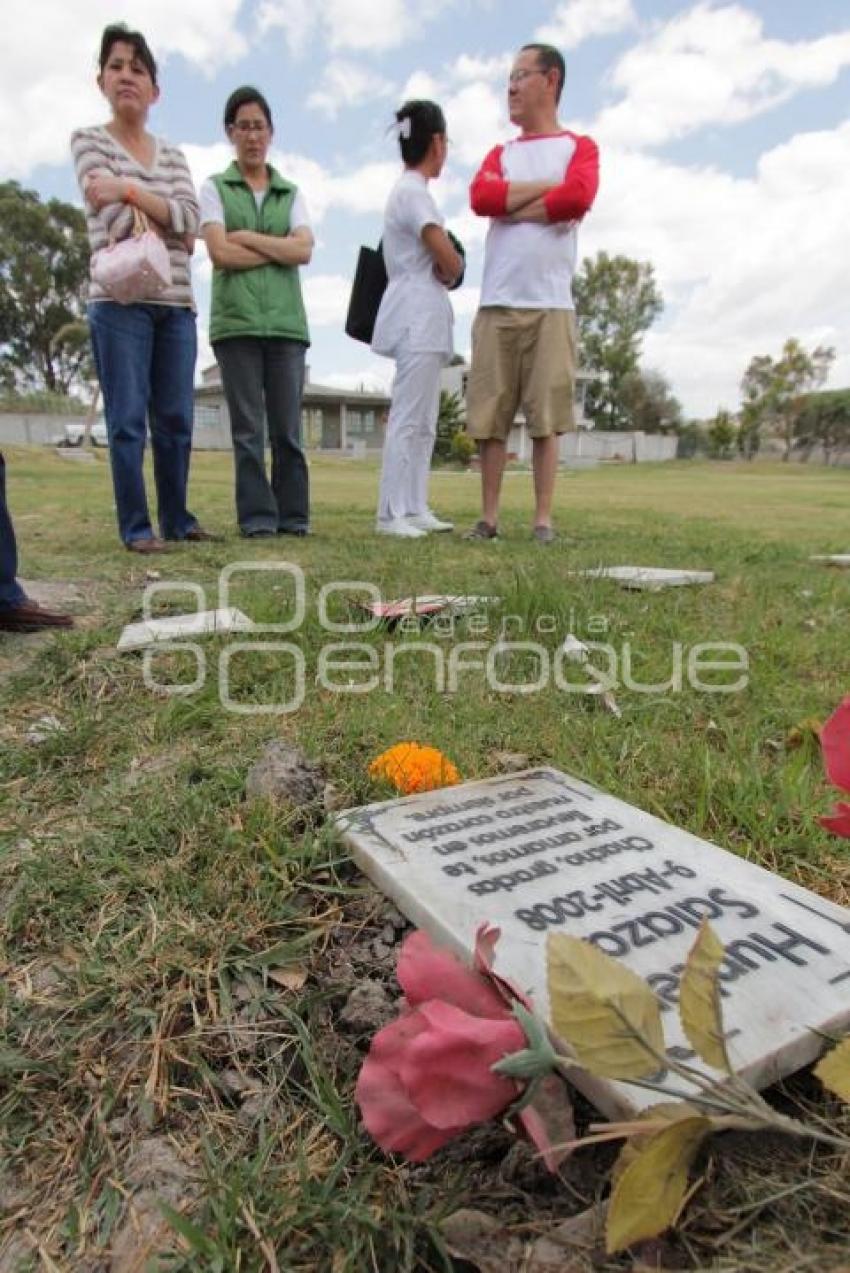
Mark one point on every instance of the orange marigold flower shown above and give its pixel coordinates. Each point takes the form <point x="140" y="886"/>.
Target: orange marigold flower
<point x="410" y="767"/>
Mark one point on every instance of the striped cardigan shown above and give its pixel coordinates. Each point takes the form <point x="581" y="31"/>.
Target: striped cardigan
<point x="95" y="149"/>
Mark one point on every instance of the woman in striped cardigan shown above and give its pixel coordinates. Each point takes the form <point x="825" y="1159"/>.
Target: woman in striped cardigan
<point x="144" y="352"/>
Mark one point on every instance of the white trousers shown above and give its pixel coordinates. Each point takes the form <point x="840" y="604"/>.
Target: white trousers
<point x="411" y="430"/>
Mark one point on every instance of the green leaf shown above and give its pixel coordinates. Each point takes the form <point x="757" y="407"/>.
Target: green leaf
<point x="649" y="1193"/>
<point x="606" y="1011"/>
<point x="833" y="1070"/>
<point x="699" y="999"/>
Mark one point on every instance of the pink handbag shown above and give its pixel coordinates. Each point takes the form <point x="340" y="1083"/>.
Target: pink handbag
<point x="136" y="269"/>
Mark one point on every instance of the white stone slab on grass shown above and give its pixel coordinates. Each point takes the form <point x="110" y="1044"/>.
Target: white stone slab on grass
<point x="175" y="626"/>
<point x="842" y="560"/>
<point x="540" y="852"/>
<point x="650" y="578"/>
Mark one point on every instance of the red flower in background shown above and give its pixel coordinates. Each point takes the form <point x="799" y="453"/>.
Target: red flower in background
<point x="428" y="1076"/>
<point x="835" y="744"/>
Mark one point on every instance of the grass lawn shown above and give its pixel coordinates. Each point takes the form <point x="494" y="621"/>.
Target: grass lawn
<point x="176" y="960"/>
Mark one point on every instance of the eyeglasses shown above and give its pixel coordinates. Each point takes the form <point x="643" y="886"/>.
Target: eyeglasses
<point x="517" y="77"/>
<point x="250" y="126"/>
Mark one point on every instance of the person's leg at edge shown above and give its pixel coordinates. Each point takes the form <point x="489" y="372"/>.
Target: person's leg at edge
<point x="422" y="446"/>
<point x="411" y="394"/>
<point x="122" y="344"/>
<point x="283" y="380"/>
<point x="17" y="612"/>
<point x="172" y="408"/>
<point x="11" y="592"/>
<point x="493" y="453"/>
<point x="241" y="361"/>
<point x="544" y="460"/>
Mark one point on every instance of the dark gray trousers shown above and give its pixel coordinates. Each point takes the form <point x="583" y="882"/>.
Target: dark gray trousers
<point x="263" y="380"/>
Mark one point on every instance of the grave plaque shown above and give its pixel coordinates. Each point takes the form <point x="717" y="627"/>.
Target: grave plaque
<point x="539" y="852"/>
<point x="650" y="578"/>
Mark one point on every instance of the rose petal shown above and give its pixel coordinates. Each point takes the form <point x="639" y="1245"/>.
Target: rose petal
<point x="389" y="1117"/>
<point x="548" y="1121"/>
<point x="446" y="1070"/>
<point x="485" y="950"/>
<point x="838" y="822"/>
<point x="835" y="743"/>
<point x="426" y="972"/>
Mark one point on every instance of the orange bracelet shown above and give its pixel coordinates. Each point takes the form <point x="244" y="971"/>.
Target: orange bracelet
<point x="131" y="196"/>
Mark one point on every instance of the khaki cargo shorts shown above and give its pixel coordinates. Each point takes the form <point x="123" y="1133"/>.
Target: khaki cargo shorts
<point x="521" y="358"/>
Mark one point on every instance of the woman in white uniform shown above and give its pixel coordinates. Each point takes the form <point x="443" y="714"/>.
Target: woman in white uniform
<point x="414" y="323"/>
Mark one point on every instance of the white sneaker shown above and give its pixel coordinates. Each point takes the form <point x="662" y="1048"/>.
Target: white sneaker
<point x="400" y="527"/>
<point x="428" y="521"/>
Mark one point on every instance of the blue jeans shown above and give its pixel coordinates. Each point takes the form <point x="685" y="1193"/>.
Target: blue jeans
<point x="145" y="361"/>
<point x="11" y="592"/>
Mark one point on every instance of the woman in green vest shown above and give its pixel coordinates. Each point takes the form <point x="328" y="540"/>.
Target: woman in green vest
<point x="257" y="232"/>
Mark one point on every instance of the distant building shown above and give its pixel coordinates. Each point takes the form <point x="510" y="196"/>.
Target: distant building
<point x="351" y="422"/>
<point x="341" y="421"/>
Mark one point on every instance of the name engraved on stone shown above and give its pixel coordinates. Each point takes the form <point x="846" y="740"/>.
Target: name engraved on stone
<point x="541" y="852"/>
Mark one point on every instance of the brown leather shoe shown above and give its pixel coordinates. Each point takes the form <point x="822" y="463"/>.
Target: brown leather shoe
<point x="29" y="616"/>
<point x="200" y="536"/>
<point x="150" y="545"/>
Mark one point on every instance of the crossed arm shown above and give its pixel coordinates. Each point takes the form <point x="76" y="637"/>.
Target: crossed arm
<point x="541" y="201"/>
<point x="246" y="249"/>
<point x="179" y="216"/>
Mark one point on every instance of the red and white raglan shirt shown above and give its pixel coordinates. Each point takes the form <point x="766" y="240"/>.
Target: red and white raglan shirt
<point x="529" y="265"/>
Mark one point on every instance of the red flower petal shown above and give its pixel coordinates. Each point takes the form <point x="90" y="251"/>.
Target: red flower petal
<point x="389" y="1117"/>
<point x="548" y="1121"/>
<point x="838" y="821"/>
<point x="485" y="949"/>
<point x="835" y="743"/>
<point x="446" y="1070"/>
<point x="426" y="972"/>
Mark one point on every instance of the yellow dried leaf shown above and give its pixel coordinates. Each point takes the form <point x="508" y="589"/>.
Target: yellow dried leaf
<point x="651" y="1120"/>
<point x="647" y="1197"/>
<point x="291" y="978"/>
<point x="833" y="1070"/>
<point x="603" y="1009"/>
<point x="699" y="999"/>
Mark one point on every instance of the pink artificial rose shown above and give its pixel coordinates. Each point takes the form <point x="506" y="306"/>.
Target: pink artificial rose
<point x="835" y="744"/>
<point x="428" y="1075"/>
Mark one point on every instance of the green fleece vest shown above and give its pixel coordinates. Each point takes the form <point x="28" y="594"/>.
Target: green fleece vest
<point x="265" y="301"/>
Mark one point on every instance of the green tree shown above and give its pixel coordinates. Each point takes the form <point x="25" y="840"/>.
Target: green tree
<point x="617" y="300"/>
<point x="722" y="435"/>
<point x="44" y="260"/>
<point x="449" y="422"/>
<point x="774" y="390"/>
<point x="650" y="403"/>
<point x="824" y="420"/>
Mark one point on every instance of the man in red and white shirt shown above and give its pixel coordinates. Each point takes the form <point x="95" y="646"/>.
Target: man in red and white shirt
<point x="535" y="189"/>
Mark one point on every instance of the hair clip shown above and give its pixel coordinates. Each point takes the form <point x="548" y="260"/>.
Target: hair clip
<point x="403" y="129"/>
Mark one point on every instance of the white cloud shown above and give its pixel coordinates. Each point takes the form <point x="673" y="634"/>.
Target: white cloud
<point x="326" y="298"/>
<point x="376" y="377"/>
<point x="421" y="85"/>
<point x="368" y="25"/>
<point x="347" y="84"/>
<point x="742" y="263"/>
<point x="577" y="20"/>
<point x="477" y="119"/>
<point x="711" y="66"/>
<point x="297" y="18"/>
<point x="468" y="67"/>
<point x="48" y="65"/>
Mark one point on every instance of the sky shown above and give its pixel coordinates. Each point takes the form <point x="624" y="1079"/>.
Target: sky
<point x="723" y="128"/>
